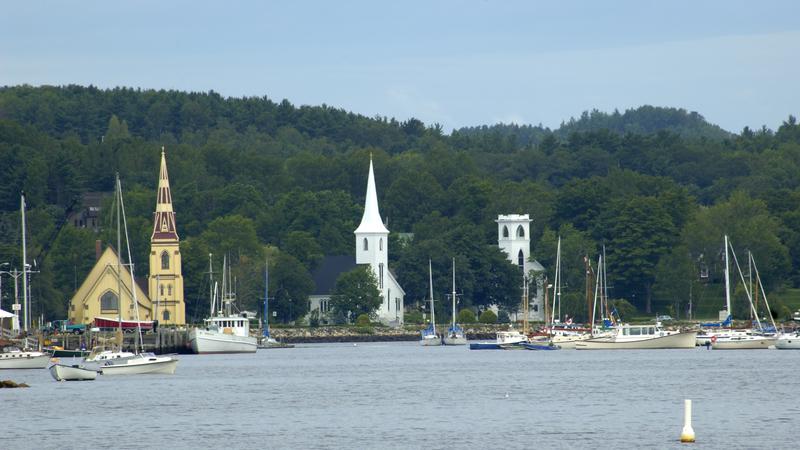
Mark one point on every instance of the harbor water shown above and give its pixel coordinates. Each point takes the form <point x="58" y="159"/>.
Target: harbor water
<point x="404" y="396"/>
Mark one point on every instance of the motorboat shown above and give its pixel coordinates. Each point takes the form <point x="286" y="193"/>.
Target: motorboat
<point x="74" y="372"/>
<point x="788" y="341"/>
<point x="505" y="340"/>
<point x="14" y="358"/>
<point x="650" y="336"/>
<point x="142" y="363"/>
<point x="745" y="342"/>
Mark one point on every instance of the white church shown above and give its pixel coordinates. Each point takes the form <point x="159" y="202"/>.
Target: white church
<point x="513" y="237"/>
<point x="372" y="248"/>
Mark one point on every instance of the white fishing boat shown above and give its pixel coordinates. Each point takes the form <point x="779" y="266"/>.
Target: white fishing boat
<point x="788" y="341"/>
<point x="14" y="358"/>
<point x="74" y="372"/>
<point x="648" y="336"/>
<point x="224" y="332"/>
<point x="455" y="334"/>
<point x="429" y="337"/>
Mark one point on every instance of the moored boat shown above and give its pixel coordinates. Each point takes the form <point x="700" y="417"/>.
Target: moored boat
<point x="640" y="337"/>
<point x="747" y="342"/>
<point x="14" y="358"/>
<point x="142" y="363"/>
<point x="788" y="341"/>
<point x="505" y="340"/>
<point x="75" y="372"/>
<point x="428" y="336"/>
<point x="455" y="334"/>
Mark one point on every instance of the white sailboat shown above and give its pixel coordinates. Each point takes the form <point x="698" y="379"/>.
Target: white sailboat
<point x="14" y="358"/>
<point x="455" y="334"/>
<point x="788" y="341"/>
<point x="267" y="341"/>
<point x="224" y="332"/>
<point x="429" y="336"/>
<point x="140" y="362"/>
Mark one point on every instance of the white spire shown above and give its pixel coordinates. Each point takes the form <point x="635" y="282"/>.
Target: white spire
<point x="371" y="221"/>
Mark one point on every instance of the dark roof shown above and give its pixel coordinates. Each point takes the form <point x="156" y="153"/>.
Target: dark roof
<point x="329" y="270"/>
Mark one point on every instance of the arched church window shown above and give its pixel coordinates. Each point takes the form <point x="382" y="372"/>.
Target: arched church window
<point x="505" y="231"/>
<point x="165" y="315"/>
<point x="109" y="301"/>
<point x="164" y="260"/>
<point x="366" y="244"/>
<point x="380" y="275"/>
<point x="521" y="260"/>
<point x="520" y="231"/>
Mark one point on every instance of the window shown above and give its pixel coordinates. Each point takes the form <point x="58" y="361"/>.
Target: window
<point x="366" y="245"/>
<point x="165" y="315"/>
<point x="164" y="260"/>
<point x="109" y="301"/>
<point x="389" y="300"/>
<point x="521" y="260"/>
<point x="505" y="231"/>
<point x="520" y="232"/>
<point x="380" y="276"/>
<point x="169" y="290"/>
<point x="162" y="290"/>
<point x="380" y="244"/>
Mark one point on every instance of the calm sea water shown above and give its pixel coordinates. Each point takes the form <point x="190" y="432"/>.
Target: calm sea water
<point x="401" y="395"/>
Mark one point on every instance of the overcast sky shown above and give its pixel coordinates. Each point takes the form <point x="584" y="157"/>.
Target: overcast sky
<point x="457" y="63"/>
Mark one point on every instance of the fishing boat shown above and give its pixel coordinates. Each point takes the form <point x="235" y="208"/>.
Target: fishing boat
<point x="224" y="331"/>
<point x="140" y="362"/>
<point x="788" y="341"/>
<point x="14" y="358"/>
<point x="266" y="341"/>
<point x="650" y="336"/>
<point x="74" y="372"/>
<point x="429" y="338"/>
<point x="455" y="334"/>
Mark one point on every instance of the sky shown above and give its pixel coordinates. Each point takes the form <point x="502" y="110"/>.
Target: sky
<point x="452" y="62"/>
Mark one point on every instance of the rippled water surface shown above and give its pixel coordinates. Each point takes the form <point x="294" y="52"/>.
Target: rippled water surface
<point x="401" y="395"/>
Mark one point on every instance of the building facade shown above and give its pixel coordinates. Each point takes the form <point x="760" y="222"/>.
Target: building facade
<point x="513" y="237"/>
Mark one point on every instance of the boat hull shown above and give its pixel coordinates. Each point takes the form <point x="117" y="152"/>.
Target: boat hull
<point x="62" y="372"/>
<point x="24" y="360"/>
<point x="485" y="346"/>
<point x="532" y="346"/>
<point x="752" y="343"/>
<point x="454" y="340"/>
<point x="788" y="343"/>
<point x="164" y="365"/>
<point x="677" y="340"/>
<point x="205" y="342"/>
<point x="430" y="341"/>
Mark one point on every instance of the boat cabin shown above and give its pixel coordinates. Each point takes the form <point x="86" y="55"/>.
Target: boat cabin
<point x="237" y="326"/>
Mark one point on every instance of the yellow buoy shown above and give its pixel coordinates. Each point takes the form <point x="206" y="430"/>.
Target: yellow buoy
<point x="687" y="435"/>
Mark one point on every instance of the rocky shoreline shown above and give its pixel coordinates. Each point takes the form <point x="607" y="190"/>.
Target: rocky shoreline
<point x="307" y="335"/>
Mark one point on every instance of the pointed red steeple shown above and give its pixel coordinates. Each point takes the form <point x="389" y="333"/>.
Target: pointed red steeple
<point x="164" y="228"/>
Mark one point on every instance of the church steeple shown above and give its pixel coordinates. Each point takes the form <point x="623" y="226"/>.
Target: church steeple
<point x="371" y="220"/>
<point x="164" y="227"/>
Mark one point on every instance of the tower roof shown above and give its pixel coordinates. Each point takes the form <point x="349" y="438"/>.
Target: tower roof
<point x="164" y="228"/>
<point x="371" y="220"/>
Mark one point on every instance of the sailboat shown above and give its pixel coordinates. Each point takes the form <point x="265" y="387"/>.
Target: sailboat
<point x="744" y="339"/>
<point x="429" y="336"/>
<point x="13" y="357"/>
<point x="563" y="337"/>
<point x="140" y="362"/>
<point x="455" y="334"/>
<point x="266" y="340"/>
<point x="224" y="332"/>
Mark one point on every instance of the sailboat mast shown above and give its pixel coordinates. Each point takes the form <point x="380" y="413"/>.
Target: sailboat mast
<point x="24" y="265"/>
<point x="727" y="281"/>
<point x="266" y="299"/>
<point x="211" y="288"/>
<point x="119" y="257"/>
<point x="589" y="306"/>
<point x="557" y="290"/>
<point x="454" y="292"/>
<point x="430" y="282"/>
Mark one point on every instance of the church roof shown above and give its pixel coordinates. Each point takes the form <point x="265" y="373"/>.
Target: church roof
<point x="329" y="270"/>
<point x="371" y="220"/>
<point x="164" y="228"/>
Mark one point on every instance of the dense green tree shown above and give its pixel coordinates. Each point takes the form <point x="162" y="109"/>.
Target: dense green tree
<point x="355" y="293"/>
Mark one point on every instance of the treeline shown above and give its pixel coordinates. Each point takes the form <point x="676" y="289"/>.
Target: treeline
<point x="253" y="178"/>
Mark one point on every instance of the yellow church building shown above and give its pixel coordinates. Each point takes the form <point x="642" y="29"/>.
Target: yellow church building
<point x="99" y="294"/>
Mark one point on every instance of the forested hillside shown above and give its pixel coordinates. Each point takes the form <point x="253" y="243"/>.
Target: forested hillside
<point x="252" y="177"/>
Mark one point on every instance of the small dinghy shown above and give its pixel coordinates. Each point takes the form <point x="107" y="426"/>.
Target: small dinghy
<point x="63" y="372"/>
